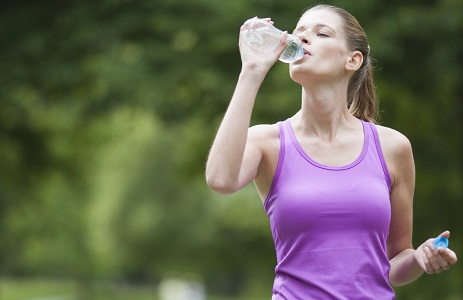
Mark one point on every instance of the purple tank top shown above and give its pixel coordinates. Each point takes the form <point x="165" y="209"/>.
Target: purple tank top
<point x="330" y="224"/>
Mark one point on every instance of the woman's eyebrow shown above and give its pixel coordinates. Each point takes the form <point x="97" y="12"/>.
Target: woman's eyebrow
<point x="316" y="26"/>
<point x="299" y="28"/>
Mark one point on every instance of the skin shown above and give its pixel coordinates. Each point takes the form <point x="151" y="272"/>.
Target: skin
<point x="326" y="130"/>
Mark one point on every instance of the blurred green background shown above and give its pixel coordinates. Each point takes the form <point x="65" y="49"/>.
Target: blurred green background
<point x="108" y="109"/>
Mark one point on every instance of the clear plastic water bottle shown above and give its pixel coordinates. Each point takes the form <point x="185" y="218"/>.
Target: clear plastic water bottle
<point x="263" y="36"/>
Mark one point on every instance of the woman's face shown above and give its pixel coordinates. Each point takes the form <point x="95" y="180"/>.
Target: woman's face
<point x="322" y="35"/>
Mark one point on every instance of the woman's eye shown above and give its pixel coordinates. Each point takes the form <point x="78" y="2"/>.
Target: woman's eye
<point x="323" y="34"/>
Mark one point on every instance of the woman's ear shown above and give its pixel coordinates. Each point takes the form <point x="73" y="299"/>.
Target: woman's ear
<point x="354" y="62"/>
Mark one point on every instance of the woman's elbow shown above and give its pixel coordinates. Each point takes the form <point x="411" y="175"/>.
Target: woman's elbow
<point x="220" y="185"/>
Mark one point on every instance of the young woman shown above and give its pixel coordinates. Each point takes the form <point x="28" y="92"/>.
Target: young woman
<point x="337" y="188"/>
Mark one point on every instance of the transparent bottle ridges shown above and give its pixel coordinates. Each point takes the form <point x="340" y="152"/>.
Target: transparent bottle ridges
<point x="263" y="36"/>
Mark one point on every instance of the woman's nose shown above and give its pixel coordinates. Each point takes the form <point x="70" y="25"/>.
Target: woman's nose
<point x="304" y="39"/>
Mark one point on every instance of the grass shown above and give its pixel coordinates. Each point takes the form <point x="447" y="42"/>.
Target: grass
<point x="55" y="289"/>
<point x="66" y="289"/>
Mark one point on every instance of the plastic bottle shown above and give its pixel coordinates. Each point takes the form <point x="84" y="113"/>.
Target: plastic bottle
<point x="263" y="36"/>
<point x="441" y="242"/>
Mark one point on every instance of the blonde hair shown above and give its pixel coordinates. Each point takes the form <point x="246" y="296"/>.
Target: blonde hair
<point x="361" y="92"/>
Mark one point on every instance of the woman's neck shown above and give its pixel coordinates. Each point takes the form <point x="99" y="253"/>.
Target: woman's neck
<point x="324" y="111"/>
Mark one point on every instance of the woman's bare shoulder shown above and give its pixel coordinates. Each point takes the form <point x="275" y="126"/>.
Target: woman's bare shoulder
<point x="398" y="153"/>
<point x="394" y="144"/>
<point x="264" y="132"/>
<point x="266" y="138"/>
<point x="392" y="137"/>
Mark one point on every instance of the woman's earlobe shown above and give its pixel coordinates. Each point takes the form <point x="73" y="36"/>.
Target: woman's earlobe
<point x="355" y="61"/>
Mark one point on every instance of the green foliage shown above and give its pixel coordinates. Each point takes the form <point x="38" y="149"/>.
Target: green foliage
<point x="109" y="108"/>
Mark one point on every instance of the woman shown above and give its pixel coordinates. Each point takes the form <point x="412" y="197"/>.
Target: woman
<point x="337" y="188"/>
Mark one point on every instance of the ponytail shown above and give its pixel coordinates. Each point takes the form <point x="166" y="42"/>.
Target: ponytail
<point x="361" y="94"/>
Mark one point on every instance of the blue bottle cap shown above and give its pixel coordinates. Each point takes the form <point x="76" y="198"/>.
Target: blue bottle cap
<point x="441" y="242"/>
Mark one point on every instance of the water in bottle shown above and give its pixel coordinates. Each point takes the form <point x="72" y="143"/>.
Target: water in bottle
<point x="263" y="36"/>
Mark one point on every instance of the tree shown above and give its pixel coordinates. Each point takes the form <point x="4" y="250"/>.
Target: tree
<point x="109" y="108"/>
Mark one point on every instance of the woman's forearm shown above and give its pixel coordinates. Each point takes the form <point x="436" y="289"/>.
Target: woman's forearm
<point x="404" y="268"/>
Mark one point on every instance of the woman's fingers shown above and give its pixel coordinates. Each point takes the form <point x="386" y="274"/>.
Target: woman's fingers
<point x="432" y="266"/>
<point x="438" y="260"/>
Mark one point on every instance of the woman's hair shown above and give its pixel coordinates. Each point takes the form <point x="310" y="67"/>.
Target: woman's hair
<point x="361" y="92"/>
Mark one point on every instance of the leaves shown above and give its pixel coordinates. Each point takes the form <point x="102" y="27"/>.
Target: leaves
<point x="109" y="108"/>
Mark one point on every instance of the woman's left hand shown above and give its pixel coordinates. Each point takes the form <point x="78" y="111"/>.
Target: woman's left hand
<point x="432" y="260"/>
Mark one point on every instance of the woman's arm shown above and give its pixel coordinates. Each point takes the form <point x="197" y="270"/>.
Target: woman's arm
<point x="407" y="264"/>
<point x="233" y="160"/>
<point x="235" y="156"/>
<point x="399" y="158"/>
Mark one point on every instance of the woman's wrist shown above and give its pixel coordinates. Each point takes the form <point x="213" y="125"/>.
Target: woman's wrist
<point x="405" y="268"/>
<point x="253" y="72"/>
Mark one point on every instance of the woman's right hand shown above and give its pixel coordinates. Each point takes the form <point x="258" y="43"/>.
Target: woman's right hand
<point x="259" y="60"/>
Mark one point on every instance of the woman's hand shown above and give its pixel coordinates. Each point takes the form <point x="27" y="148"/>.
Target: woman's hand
<point x="260" y="60"/>
<point x="432" y="260"/>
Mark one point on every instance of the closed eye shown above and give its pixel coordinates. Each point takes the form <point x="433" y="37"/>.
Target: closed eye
<point x="323" y="34"/>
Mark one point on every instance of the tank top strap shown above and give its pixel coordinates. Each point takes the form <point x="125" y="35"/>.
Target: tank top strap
<point x="285" y="127"/>
<point x="289" y="138"/>
<point x="281" y="155"/>
<point x="379" y="151"/>
<point x="281" y="158"/>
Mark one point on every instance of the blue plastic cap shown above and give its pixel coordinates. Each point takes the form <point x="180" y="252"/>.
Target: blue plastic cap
<point x="441" y="242"/>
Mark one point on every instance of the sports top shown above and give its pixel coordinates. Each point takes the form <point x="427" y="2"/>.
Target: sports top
<point x="330" y="224"/>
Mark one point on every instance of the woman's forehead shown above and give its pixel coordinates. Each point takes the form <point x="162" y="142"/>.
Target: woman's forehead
<point x="316" y="17"/>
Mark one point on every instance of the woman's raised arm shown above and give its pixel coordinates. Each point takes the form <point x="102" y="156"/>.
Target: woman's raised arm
<point x="234" y="158"/>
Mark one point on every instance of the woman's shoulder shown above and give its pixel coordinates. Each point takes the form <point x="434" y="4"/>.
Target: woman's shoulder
<point x="392" y="136"/>
<point x="264" y="131"/>
<point x="265" y="137"/>
<point x="393" y="143"/>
